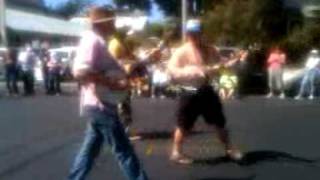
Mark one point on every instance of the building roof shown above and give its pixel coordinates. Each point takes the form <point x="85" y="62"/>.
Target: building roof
<point x="31" y="22"/>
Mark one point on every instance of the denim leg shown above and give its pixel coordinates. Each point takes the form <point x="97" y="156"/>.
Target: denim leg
<point x="270" y="79"/>
<point x="50" y="82"/>
<point x="58" y="82"/>
<point x="31" y="82"/>
<point x="9" y="79"/>
<point x="54" y="82"/>
<point x="312" y="78"/>
<point x="15" y="81"/>
<point x="116" y="137"/>
<point x="46" y="80"/>
<point x="28" y="83"/>
<point x="89" y="151"/>
<point x="25" y="82"/>
<point x="279" y="80"/>
<point x="304" y="83"/>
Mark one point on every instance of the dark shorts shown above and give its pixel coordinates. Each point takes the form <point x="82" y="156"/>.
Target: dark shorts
<point x="205" y="102"/>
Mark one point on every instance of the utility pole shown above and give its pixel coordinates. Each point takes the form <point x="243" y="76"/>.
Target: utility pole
<point x="184" y="17"/>
<point x="3" y="27"/>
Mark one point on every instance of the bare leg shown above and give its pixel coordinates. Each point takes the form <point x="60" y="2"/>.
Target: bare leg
<point x="222" y="94"/>
<point x="230" y="93"/>
<point x="224" y="137"/>
<point x="231" y="151"/>
<point x="177" y="155"/>
<point x="177" y="141"/>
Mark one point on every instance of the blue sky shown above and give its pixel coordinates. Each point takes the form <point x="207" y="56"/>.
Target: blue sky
<point x="156" y="14"/>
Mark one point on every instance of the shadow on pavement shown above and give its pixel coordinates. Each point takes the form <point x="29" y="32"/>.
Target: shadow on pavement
<point x="255" y="157"/>
<point x="155" y="135"/>
<point x="164" y="134"/>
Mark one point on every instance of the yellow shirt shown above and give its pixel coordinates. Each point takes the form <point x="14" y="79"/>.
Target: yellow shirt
<point x="116" y="48"/>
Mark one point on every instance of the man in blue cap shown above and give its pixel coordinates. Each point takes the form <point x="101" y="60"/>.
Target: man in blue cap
<point x="187" y="67"/>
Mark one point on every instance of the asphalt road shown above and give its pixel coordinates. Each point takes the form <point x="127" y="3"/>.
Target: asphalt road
<point x="39" y="137"/>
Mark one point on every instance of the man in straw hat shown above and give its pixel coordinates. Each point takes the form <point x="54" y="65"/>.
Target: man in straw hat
<point x="100" y="75"/>
<point x="187" y="67"/>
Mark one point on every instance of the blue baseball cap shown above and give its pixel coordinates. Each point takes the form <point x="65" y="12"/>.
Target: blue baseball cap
<point x="193" y="26"/>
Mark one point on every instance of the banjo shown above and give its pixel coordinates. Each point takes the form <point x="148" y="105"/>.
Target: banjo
<point x="134" y="72"/>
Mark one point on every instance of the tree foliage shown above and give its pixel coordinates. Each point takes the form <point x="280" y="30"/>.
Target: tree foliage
<point x="133" y="4"/>
<point x="71" y="8"/>
<point x="251" y="21"/>
<point x="173" y="7"/>
<point x="275" y="20"/>
<point x="170" y="7"/>
<point x="227" y="22"/>
<point x="302" y="40"/>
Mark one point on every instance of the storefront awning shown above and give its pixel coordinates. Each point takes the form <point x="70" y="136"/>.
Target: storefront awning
<point x="38" y="23"/>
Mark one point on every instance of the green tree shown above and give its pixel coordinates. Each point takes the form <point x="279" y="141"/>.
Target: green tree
<point x="274" y="20"/>
<point x="229" y="23"/>
<point x="71" y="8"/>
<point x="173" y="7"/>
<point x="302" y="40"/>
<point x="133" y="4"/>
<point x="251" y="21"/>
<point x="170" y="7"/>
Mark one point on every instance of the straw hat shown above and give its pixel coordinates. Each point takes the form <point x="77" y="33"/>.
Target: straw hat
<point x="100" y="15"/>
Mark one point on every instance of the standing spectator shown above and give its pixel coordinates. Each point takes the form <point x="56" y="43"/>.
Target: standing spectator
<point x="54" y="74"/>
<point x="276" y="62"/>
<point x="27" y="61"/>
<point x="311" y="70"/>
<point x="44" y="57"/>
<point x="12" y="72"/>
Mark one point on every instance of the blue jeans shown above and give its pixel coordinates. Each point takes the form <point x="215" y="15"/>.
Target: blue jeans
<point x="104" y="126"/>
<point x="54" y="81"/>
<point x="308" y="78"/>
<point x="12" y="72"/>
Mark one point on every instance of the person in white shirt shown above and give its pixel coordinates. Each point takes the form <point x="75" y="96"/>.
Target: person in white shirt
<point x="54" y="66"/>
<point x="27" y="61"/>
<point x="311" y="70"/>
